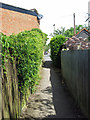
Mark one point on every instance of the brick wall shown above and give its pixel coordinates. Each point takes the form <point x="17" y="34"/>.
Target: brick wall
<point x="15" y="22"/>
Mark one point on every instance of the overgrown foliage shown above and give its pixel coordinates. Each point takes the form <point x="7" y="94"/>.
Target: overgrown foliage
<point x="69" y="32"/>
<point x="55" y="44"/>
<point x="27" y="49"/>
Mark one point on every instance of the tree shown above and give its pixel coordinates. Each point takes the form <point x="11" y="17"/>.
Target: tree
<point x="69" y="32"/>
<point x="47" y="47"/>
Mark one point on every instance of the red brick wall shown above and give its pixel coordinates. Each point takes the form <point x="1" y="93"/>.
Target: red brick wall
<point x="15" y="22"/>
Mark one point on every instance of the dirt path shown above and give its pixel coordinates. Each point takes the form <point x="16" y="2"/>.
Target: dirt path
<point x="52" y="99"/>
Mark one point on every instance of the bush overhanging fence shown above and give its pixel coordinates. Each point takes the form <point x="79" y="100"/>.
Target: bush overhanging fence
<point x="27" y="49"/>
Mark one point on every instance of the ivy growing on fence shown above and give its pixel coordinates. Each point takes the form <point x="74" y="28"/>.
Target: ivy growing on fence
<point x="27" y="49"/>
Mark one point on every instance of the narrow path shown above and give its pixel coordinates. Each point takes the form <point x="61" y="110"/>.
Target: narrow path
<point x="52" y="99"/>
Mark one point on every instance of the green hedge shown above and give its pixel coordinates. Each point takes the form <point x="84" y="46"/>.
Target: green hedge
<point x="55" y="45"/>
<point x="27" y="49"/>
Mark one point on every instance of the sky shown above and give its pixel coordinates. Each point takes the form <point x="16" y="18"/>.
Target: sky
<point x="58" y="12"/>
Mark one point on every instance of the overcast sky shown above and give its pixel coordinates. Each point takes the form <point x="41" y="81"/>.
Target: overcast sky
<point x="58" y="12"/>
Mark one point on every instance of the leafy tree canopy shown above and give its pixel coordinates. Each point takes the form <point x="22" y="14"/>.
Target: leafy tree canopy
<point x="69" y="32"/>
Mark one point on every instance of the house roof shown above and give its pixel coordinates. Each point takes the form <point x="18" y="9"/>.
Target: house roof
<point x="17" y="9"/>
<point x="84" y="30"/>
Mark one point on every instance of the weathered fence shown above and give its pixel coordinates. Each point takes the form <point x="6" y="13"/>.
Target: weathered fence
<point x="76" y="73"/>
<point x="10" y="94"/>
<point x="12" y="102"/>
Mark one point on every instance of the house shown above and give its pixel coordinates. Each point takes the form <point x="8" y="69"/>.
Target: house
<point x="84" y="33"/>
<point x="14" y="19"/>
<point x="78" y="42"/>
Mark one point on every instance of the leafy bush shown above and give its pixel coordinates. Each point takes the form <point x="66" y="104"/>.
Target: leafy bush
<point x="27" y="49"/>
<point x="55" y="45"/>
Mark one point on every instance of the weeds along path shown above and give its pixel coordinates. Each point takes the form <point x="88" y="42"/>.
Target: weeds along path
<point x="52" y="99"/>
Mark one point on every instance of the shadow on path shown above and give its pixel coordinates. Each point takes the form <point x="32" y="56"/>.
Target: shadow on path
<point x="64" y="104"/>
<point x="48" y="64"/>
<point x="52" y="99"/>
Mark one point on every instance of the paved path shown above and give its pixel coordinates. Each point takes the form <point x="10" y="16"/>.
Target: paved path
<point x="52" y="99"/>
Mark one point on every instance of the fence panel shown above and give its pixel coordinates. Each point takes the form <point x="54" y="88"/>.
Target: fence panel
<point x="76" y="73"/>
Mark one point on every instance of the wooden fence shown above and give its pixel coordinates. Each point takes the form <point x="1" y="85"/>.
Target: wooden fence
<point x="75" y="66"/>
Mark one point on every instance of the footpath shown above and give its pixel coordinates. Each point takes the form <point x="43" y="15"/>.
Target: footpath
<point x="52" y="98"/>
